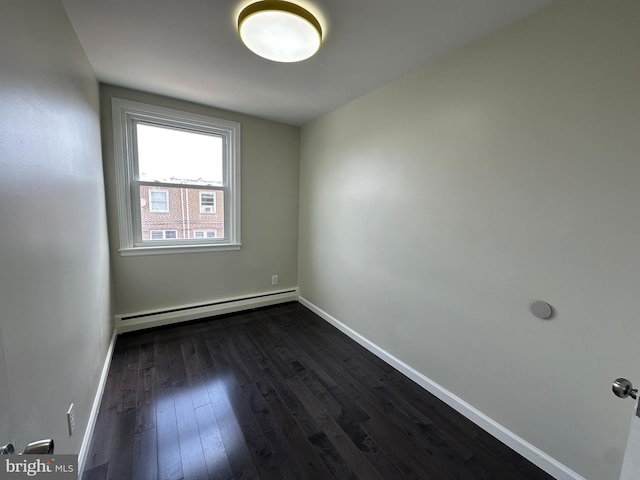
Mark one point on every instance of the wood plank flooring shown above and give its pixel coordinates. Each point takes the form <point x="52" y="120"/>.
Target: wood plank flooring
<point x="278" y="394"/>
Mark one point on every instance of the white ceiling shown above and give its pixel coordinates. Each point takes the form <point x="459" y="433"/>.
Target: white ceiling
<point x="189" y="49"/>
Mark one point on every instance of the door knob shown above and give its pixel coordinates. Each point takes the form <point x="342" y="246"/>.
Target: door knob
<point x="41" y="447"/>
<point x="622" y="388"/>
<point x="7" y="449"/>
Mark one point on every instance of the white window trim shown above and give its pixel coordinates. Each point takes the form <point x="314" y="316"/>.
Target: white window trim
<point x="125" y="113"/>
<point x="166" y="194"/>
<point x="215" y="203"/>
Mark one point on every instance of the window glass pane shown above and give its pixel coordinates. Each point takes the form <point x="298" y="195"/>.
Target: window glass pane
<point x="178" y="156"/>
<point x="158" y="200"/>
<point x="183" y="217"/>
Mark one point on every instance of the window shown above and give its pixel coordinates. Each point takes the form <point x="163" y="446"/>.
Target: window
<point x="158" y="201"/>
<point x="205" y="234"/>
<point x="175" y="172"/>
<point x="207" y="202"/>
<point x="163" y="234"/>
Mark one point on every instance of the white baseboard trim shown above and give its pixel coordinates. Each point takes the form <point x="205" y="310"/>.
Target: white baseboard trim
<point x="182" y="313"/>
<point x="95" y="408"/>
<point x="513" y="441"/>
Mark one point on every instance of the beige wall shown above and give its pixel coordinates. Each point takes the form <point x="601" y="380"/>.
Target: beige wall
<point x="433" y="210"/>
<point x="269" y="175"/>
<point x="55" y="317"/>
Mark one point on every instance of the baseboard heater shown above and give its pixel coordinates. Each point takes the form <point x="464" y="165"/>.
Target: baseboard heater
<point x="140" y="320"/>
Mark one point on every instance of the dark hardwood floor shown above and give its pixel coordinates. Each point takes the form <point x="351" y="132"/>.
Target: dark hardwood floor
<point x="278" y="394"/>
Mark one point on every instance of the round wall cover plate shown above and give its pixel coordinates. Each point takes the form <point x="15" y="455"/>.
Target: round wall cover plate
<point x="541" y="309"/>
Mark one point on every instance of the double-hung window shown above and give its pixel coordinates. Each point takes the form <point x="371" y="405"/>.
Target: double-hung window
<point x="177" y="180"/>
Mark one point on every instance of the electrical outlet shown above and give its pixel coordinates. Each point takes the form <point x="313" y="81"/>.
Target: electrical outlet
<point x="71" y="419"/>
<point x="274" y="279"/>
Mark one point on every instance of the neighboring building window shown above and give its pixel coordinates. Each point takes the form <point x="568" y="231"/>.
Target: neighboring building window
<point x="207" y="202"/>
<point x="166" y="162"/>
<point x="204" y="234"/>
<point x="163" y="234"/>
<point x="158" y="200"/>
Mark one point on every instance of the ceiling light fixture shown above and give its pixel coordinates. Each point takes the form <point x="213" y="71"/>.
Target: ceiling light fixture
<point x="279" y="31"/>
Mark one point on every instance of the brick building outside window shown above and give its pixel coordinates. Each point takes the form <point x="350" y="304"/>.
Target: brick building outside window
<point x="190" y="213"/>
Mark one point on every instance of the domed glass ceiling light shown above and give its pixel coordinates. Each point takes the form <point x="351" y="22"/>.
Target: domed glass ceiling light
<point x="279" y="31"/>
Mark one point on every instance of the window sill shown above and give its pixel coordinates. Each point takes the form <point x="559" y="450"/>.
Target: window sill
<point x="170" y="249"/>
